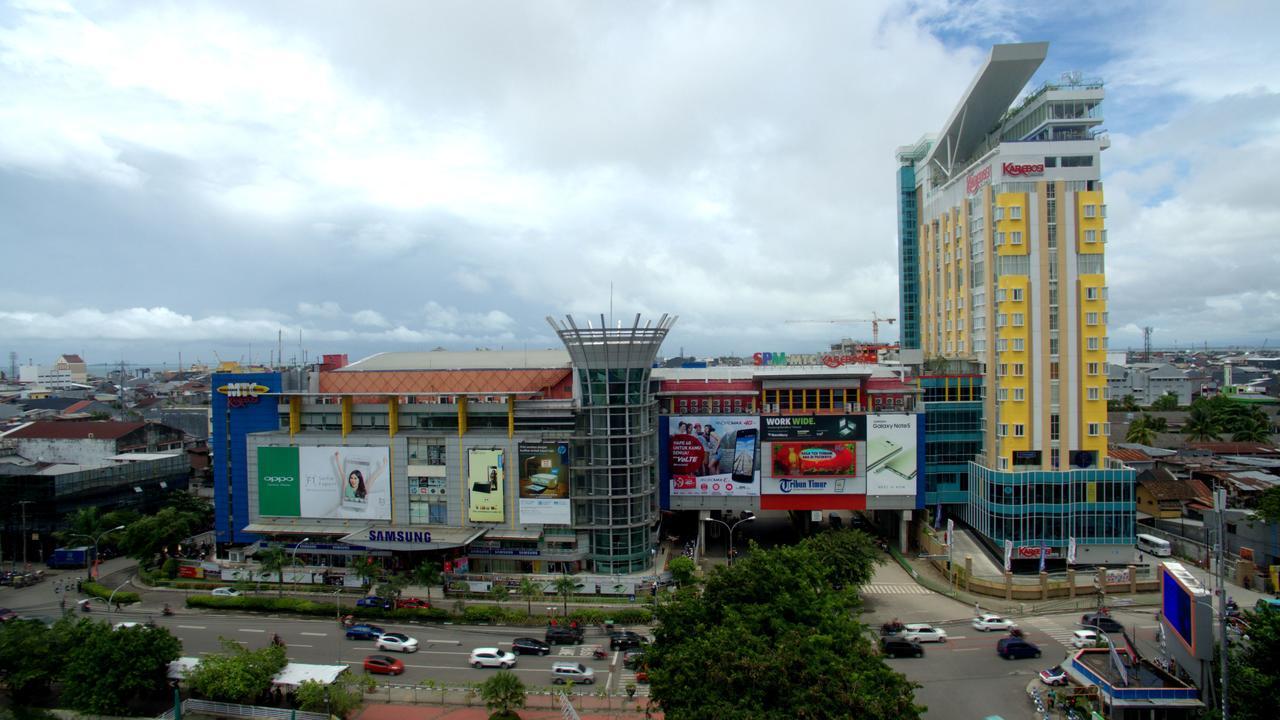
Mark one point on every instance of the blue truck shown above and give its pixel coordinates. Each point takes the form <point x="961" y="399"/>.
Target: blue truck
<point x="71" y="557"/>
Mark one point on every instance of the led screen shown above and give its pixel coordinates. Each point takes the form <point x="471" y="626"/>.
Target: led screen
<point x="1176" y="606"/>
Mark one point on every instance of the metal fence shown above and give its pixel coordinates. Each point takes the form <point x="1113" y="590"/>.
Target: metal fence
<point x="208" y="707"/>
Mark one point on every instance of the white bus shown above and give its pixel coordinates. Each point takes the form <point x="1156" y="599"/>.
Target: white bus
<point x="1154" y="545"/>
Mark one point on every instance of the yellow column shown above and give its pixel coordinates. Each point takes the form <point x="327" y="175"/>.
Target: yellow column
<point x="346" y="415"/>
<point x="462" y="416"/>
<point x="295" y="416"/>
<point x="511" y="416"/>
<point x="393" y="416"/>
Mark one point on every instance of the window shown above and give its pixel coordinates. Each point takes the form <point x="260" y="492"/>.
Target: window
<point x="1093" y="343"/>
<point x="1091" y="293"/>
<point x="1016" y="294"/>
<point x="1091" y="318"/>
<point x="1017" y="319"/>
<point x="1053" y="346"/>
<point x="1019" y="430"/>
<point x="1093" y="368"/>
<point x="1106" y="428"/>
<point x="1019" y="394"/>
<point x="1004" y="370"/>
<point x="1015" y="212"/>
<point x="1002" y="295"/>
<point x="1091" y="236"/>
<point x="1018" y="369"/>
<point x="1053" y="369"/>
<point x="1018" y="344"/>
<point x="1090" y="264"/>
<point x="1015" y="237"/>
<point x="1090" y="210"/>
<point x="999" y="239"/>
<point x="1002" y="394"/>
<point x="1002" y="345"/>
<point x="1095" y="393"/>
<point x="1055" y="428"/>
<point x="1094" y="429"/>
<point x="1001" y="320"/>
<point x="1002" y="429"/>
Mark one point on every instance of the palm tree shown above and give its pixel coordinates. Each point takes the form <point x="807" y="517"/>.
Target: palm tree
<point x="274" y="560"/>
<point x="365" y="568"/>
<point x="1200" y="425"/>
<point x="1253" y="431"/>
<point x="565" y="585"/>
<point x="1140" y="431"/>
<point x="529" y="590"/>
<point x="503" y="693"/>
<point x="426" y="574"/>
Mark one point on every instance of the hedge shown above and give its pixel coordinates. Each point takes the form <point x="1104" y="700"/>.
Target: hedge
<point x="101" y="591"/>
<point x="472" y="614"/>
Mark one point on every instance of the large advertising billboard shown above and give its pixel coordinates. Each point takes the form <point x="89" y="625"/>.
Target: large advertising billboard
<point x="815" y="427"/>
<point x="324" y="482"/>
<point x="714" y="455"/>
<point x="893" y="458"/>
<point x="817" y="459"/>
<point x="544" y="482"/>
<point x="486" y="483"/>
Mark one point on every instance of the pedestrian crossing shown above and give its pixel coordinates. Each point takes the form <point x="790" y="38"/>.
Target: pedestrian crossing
<point x="895" y="589"/>
<point x="626" y="676"/>
<point x="1052" y="628"/>
<point x="575" y="651"/>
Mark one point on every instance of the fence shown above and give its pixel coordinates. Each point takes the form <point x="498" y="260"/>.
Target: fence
<point x="208" y="707"/>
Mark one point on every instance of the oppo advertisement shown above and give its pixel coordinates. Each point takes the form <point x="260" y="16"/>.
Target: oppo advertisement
<point x="714" y="455"/>
<point x="486" y="483"/>
<point x="324" y="482"/>
<point x="893" y="462"/>
<point x="544" y="483"/>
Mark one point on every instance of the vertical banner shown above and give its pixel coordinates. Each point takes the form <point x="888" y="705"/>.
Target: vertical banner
<point x="1071" y="551"/>
<point x="1044" y="553"/>
<point x="486" y="482"/>
<point x="1008" y="555"/>
<point x="544" y="482"/>
<point x="951" y="532"/>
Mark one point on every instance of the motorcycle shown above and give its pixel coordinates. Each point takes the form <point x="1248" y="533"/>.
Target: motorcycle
<point x="167" y="611"/>
<point x="599" y="654"/>
<point x="347" y="621"/>
<point x="84" y="605"/>
<point x="892" y="628"/>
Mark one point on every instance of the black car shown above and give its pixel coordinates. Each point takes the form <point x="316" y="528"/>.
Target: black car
<point x="529" y="646"/>
<point x="1011" y="647"/>
<point x="1105" y="622"/>
<point x="625" y="640"/>
<point x="560" y="635"/>
<point x="897" y="647"/>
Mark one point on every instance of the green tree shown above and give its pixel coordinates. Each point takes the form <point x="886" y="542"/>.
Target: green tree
<point x="565" y="585"/>
<point x="1168" y="401"/>
<point x="1252" y="430"/>
<point x="498" y="592"/>
<point x="391" y="586"/>
<point x="683" y="570"/>
<point x="503" y="693"/>
<point x="1255" y="682"/>
<point x="29" y="659"/>
<point x="238" y="674"/>
<point x="1200" y="425"/>
<point x="366" y="568"/>
<point x="145" y="539"/>
<point x="337" y="698"/>
<point x="107" y="671"/>
<point x="200" y="509"/>
<point x="1268" y="507"/>
<point x="788" y="613"/>
<point x="426" y="574"/>
<point x="529" y="591"/>
<point x="1140" y="431"/>
<point x="273" y="560"/>
<point x="1128" y="404"/>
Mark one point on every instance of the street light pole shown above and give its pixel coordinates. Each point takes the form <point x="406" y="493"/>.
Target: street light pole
<point x="95" y="539"/>
<point x="24" y="504"/>
<point x="729" y="552"/>
<point x="293" y="556"/>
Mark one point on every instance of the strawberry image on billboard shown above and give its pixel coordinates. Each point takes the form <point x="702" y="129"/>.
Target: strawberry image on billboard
<point x="807" y="459"/>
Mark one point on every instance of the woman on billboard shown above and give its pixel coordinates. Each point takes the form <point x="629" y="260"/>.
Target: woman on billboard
<point x="356" y="478"/>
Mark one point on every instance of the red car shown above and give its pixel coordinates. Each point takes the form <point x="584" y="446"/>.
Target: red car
<point x="383" y="665"/>
<point x="412" y="603"/>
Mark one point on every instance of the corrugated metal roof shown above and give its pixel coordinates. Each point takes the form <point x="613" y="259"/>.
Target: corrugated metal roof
<point x="64" y="430"/>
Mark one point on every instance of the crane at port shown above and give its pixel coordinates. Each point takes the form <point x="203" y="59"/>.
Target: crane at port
<point x="875" y="321"/>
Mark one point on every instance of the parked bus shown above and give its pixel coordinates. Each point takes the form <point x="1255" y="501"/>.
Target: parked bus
<point x="1154" y="545"/>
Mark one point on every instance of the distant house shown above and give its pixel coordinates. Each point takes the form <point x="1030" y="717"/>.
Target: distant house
<point x="1147" y="382"/>
<point x="1161" y="495"/>
<point x="74" y="365"/>
<point x="87" y="442"/>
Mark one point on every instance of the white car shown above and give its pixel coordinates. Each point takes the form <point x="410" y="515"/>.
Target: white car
<point x="1084" y="639"/>
<point x="491" y="657"/>
<point x="225" y="592"/>
<point x="921" y="633"/>
<point x="992" y="622"/>
<point x="125" y="625"/>
<point x="398" y="642"/>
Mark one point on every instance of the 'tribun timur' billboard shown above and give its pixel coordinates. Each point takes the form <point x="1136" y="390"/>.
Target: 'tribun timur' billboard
<point x="714" y="455"/>
<point x="324" y="482"/>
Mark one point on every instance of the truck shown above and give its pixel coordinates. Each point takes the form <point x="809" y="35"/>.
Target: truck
<point x="71" y="557"/>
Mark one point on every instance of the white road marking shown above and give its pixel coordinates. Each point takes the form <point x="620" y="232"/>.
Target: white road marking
<point x="300" y="645"/>
<point x="192" y="627"/>
<point x="311" y="634"/>
<point x="895" y="589"/>
<point x="968" y="649"/>
<point x="252" y="630"/>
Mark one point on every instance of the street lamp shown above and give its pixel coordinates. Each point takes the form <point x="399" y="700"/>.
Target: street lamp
<point x="110" y="605"/>
<point x="293" y="556"/>
<point x="95" y="539"/>
<point x="730" y="528"/>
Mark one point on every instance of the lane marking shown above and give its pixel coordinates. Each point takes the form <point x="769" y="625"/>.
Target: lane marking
<point x="251" y="630"/>
<point x="311" y="634"/>
<point x="192" y="627"/>
<point x="968" y="649"/>
<point x="300" y="645"/>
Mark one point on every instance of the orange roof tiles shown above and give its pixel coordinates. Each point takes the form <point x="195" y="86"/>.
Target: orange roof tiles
<point x="547" y="383"/>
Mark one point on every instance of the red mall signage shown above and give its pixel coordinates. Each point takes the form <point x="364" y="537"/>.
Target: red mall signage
<point x="1021" y="169"/>
<point x="977" y="180"/>
<point x="1034" y="552"/>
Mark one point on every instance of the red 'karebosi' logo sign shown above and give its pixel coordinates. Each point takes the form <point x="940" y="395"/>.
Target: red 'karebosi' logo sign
<point x="1016" y="169"/>
<point x="976" y="180"/>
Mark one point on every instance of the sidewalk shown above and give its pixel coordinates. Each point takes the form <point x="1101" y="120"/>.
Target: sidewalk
<point x="588" y="707"/>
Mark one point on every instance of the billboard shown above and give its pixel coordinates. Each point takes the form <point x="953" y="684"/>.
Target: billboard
<point x="324" y="482"/>
<point x="821" y="459"/>
<point x="486" y="483"/>
<point x="544" y="482"/>
<point x="815" y="427"/>
<point x="893" y="459"/>
<point x="714" y="455"/>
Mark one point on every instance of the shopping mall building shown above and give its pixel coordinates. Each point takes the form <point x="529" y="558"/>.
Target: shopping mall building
<point x="580" y="459"/>
<point x="1002" y="240"/>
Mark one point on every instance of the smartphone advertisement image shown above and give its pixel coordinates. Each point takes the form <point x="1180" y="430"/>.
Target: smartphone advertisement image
<point x="714" y="455"/>
<point x="893" y="462"/>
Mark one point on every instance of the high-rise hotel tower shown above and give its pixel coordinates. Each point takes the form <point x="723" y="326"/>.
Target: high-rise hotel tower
<point x="1002" y="241"/>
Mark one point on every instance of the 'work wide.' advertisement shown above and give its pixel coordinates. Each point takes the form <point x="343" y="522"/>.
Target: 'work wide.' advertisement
<point x="714" y="455"/>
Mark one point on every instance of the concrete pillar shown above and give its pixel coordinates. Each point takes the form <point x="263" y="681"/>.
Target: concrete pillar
<point x="1008" y="586"/>
<point x="1133" y="579"/>
<point x="1071" y="583"/>
<point x="968" y="571"/>
<point x="1044" y="586"/>
<point x="904" y="518"/>
<point x="702" y="532"/>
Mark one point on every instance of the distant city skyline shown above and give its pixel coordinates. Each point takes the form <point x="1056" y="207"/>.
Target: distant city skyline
<point x="451" y="176"/>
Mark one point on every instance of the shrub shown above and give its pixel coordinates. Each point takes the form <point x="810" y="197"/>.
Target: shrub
<point x="633" y="616"/>
<point x="170" y="569"/>
<point x="123" y="597"/>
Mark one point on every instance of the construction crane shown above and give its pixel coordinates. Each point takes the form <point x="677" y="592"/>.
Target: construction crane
<point x="875" y="321"/>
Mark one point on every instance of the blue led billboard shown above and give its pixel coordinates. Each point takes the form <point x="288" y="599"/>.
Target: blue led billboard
<point x="1176" y="606"/>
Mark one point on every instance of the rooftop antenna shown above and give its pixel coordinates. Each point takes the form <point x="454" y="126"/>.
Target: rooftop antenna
<point x="1146" y="343"/>
<point x="610" y="302"/>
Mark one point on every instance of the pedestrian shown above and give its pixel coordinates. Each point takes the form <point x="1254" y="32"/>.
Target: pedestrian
<point x="1053" y="697"/>
<point x="977" y="609"/>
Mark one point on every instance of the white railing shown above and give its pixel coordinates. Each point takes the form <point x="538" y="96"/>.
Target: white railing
<point x="217" y="709"/>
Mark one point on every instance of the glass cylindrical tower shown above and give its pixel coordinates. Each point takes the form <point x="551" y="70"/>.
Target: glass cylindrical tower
<point x="614" y="471"/>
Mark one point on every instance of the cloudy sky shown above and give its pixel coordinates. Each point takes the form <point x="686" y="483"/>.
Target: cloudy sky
<point x="198" y="177"/>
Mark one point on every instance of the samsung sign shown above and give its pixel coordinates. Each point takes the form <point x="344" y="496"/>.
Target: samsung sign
<point x="400" y="536"/>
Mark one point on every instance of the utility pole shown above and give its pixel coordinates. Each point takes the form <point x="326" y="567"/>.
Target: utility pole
<point x="24" y="504"/>
<point x="1220" y="500"/>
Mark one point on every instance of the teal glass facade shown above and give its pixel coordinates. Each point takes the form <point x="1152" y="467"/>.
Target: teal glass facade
<point x="908" y="259"/>
<point x="952" y="437"/>
<point x="1034" y="508"/>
